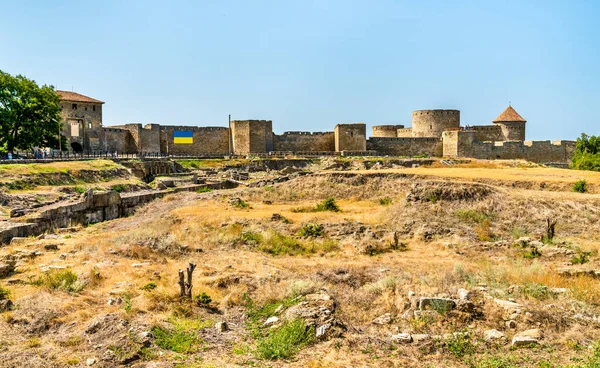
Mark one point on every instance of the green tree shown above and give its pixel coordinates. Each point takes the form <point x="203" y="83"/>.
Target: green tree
<point x="29" y="114"/>
<point x="587" y="153"/>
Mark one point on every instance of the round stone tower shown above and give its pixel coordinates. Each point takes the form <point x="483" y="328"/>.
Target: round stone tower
<point x="512" y="125"/>
<point x="432" y="123"/>
<point x="385" y="130"/>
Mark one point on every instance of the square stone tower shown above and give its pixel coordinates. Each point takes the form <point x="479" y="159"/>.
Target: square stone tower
<point x="251" y="136"/>
<point x="351" y="137"/>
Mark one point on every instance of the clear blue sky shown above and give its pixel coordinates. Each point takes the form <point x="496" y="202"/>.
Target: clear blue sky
<point x="308" y="65"/>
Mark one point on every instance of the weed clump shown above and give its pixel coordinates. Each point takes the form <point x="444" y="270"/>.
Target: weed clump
<point x="328" y="204"/>
<point x="177" y="339"/>
<point x="311" y="231"/>
<point x="385" y="201"/>
<point x="533" y="253"/>
<point x="204" y="190"/>
<point x="149" y="286"/>
<point x="202" y="298"/>
<point x="580" y="186"/>
<point x="581" y="258"/>
<point x="65" y="280"/>
<point x="4" y="293"/>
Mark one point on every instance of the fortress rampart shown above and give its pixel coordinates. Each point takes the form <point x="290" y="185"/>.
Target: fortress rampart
<point x="434" y="133"/>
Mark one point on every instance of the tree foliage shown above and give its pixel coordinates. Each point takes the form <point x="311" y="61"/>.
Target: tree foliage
<point x="587" y="153"/>
<point x="29" y="114"/>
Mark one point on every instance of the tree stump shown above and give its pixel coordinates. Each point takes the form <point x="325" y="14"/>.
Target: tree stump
<point x="550" y="229"/>
<point x="186" y="286"/>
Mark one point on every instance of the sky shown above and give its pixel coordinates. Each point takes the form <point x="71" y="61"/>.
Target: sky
<point x="309" y="65"/>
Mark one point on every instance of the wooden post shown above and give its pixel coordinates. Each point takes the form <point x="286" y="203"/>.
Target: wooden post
<point x="550" y="229"/>
<point x="181" y="283"/>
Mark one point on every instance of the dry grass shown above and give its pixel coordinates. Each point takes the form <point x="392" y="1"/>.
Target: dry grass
<point x="167" y="234"/>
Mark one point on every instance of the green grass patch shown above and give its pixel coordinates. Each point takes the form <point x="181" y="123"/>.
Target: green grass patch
<point x="204" y="190"/>
<point x="119" y="188"/>
<point x="4" y="293"/>
<point x="532" y="253"/>
<point x="536" y="291"/>
<point x="149" y="286"/>
<point x="581" y="258"/>
<point x="385" y="201"/>
<point x="328" y="204"/>
<point x="178" y="339"/>
<point x="285" y="341"/>
<point x="474" y="216"/>
<point x="202" y="298"/>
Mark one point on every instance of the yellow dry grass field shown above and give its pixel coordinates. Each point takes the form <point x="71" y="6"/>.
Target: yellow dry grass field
<point x="403" y="271"/>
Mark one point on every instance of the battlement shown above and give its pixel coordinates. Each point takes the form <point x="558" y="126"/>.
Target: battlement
<point x="404" y="139"/>
<point x="194" y="128"/>
<point x="305" y="133"/>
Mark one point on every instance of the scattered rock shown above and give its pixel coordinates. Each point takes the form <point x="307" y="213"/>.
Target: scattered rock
<point x="508" y="305"/>
<point x="6" y="269"/>
<point x="512" y="324"/>
<point x="490" y="335"/>
<point x="402" y="338"/>
<point x="90" y="361"/>
<point x="464" y="294"/>
<point x="221" y="326"/>
<point x="383" y="319"/>
<point x="527" y="338"/>
<point x="465" y="306"/>
<point x="49" y="247"/>
<point x="6" y="305"/>
<point x="322" y="330"/>
<point x="420" y="337"/>
<point x="271" y="321"/>
<point x="437" y="304"/>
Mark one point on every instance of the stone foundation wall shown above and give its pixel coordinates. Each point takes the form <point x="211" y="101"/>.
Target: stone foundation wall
<point x="304" y="142"/>
<point x="406" y="146"/>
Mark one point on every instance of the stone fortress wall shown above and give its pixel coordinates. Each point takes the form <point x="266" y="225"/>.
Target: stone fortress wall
<point x="434" y="133"/>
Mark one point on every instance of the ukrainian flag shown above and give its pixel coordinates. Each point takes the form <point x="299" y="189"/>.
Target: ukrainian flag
<point x="183" y="137"/>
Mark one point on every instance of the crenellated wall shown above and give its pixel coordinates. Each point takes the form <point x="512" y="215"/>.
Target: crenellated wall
<point x="404" y="133"/>
<point x="484" y="133"/>
<point x="304" y="142"/>
<point x="432" y="123"/>
<point x="421" y="146"/>
<point x="465" y="144"/>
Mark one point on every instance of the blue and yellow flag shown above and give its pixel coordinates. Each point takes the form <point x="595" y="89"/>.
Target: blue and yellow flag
<point x="183" y="137"/>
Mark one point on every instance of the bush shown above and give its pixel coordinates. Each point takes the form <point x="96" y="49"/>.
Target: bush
<point x="149" y="286"/>
<point x="241" y="204"/>
<point x="328" y="205"/>
<point x="535" y="290"/>
<point x="284" y="342"/>
<point x="484" y="231"/>
<point x="65" y="280"/>
<point x="580" y="186"/>
<point x="581" y="258"/>
<point x="4" y="293"/>
<point x="460" y="345"/>
<point x="202" y="298"/>
<point x="311" y="230"/>
<point x="385" y="201"/>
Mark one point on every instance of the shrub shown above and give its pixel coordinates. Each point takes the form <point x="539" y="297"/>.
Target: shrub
<point x="385" y="201"/>
<point x="202" y="298"/>
<point x="460" y="345"/>
<point x="79" y="189"/>
<point x="178" y="339"/>
<point x="311" y="230"/>
<point x="532" y="253"/>
<point x="328" y="204"/>
<point x="484" y="231"/>
<point x="4" y="293"/>
<point x="580" y="186"/>
<point x="204" y="190"/>
<point x="241" y="204"/>
<point x="284" y="342"/>
<point x="65" y="280"/>
<point x="581" y="258"/>
<point x="149" y="286"/>
<point x="535" y="290"/>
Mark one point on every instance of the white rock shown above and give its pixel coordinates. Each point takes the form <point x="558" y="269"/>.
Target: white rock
<point x="322" y="330"/>
<point x="90" y="361"/>
<point x="421" y="337"/>
<point x="221" y="326"/>
<point x="271" y="321"/>
<point x="490" y="335"/>
<point x="520" y="341"/>
<point x="383" y="319"/>
<point x="402" y="338"/>
<point x="464" y="294"/>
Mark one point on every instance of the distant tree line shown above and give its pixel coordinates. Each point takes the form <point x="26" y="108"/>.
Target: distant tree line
<point x="587" y="153"/>
<point x="29" y="114"/>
